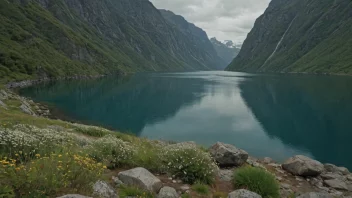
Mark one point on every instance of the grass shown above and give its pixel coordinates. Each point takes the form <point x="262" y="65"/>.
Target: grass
<point x="131" y="191"/>
<point x="201" y="189"/>
<point x="219" y="195"/>
<point x="52" y="157"/>
<point x="256" y="180"/>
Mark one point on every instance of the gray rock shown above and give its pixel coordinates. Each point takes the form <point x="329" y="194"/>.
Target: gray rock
<point x="225" y="175"/>
<point x="167" y="192"/>
<point x="268" y="160"/>
<point x="242" y="193"/>
<point x="74" y="196"/>
<point x="104" y="190"/>
<point x="285" y="186"/>
<point x="327" y="176"/>
<point x="349" y="177"/>
<point x="336" y="184"/>
<point x="228" y="155"/>
<point x="117" y="181"/>
<point x="334" y="169"/>
<point x="184" y="188"/>
<point x="303" y="166"/>
<point x="315" y="195"/>
<point x="141" y="178"/>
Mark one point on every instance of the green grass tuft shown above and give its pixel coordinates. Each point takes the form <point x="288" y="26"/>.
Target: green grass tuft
<point x="257" y="180"/>
<point x="131" y="191"/>
<point x="201" y="188"/>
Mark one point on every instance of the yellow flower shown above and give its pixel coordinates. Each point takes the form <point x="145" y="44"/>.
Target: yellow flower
<point x="37" y="155"/>
<point x="104" y="167"/>
<point x="5" y="162"/>
<point x="60" y="156"/>
<point x="16" y="155"/>
<point x="17" y="169"/>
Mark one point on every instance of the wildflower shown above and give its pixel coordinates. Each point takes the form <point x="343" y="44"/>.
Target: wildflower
<point x="104" y="167"/>
<point x="60" y="156"/>
<point x="37" y="155"/>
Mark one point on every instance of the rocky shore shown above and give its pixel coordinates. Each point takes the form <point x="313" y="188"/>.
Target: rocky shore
<point x="299" y="176"/>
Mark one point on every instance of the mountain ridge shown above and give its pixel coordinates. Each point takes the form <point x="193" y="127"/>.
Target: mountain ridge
<point x="299" y="37"/>
<point x="48" y="38"/>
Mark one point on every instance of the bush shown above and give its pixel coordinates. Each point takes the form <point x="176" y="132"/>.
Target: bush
<point x="111" y="151"/>
<point x="23" y="142"/>
<point x="189" y="165"/>
<point x="257" y="180"/>
<point x="130" y="191"/>
<point x="6" y="192"/>
<point x="201" y="188"/>
<point x="48" y="175"/>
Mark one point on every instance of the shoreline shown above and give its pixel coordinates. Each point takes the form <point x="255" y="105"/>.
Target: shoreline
<point x="316" y="177"/>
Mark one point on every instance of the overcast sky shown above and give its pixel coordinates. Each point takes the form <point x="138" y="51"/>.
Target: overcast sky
<point x="224" y="19"/>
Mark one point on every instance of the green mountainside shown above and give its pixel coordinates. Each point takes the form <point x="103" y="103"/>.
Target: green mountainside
<point x="198" y="36"/>
<point x="50" y="38"/>
<point x="226" y="51"/>
<point x="309" y="36"/>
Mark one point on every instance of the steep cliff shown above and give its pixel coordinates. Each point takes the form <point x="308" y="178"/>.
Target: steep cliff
<point x="197" y="36"/>
<point x="227" y="50"/>
<point x="46" y="38"/>
<point x="308" y="36"/>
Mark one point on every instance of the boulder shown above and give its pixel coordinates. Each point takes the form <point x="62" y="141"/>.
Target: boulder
<point x="103" y="190"/>
<point x="74" y="196"/>
<point x="225" y="175"/>
<point x="268" y="160"/>
<point x="327" y="176"/>
<point x="242" y="193"/>
<point x="141" y="178"/>
<point x="117" y="181"/>
<point x="167" y="192"/>
<point x="26" y="109"/>
<point x="303" y="166"/>
<point x="334" y="169"/>
<point x="228" y="155"/>
<point x="315" y="195"/>
<point x="336" y="184"/>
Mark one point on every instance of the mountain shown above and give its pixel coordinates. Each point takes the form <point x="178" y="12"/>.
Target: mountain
<point x="309" y="36"/>
<point x="50" y="38"/>
<point x="198" y="36"/>
<point x="227" y="50"/>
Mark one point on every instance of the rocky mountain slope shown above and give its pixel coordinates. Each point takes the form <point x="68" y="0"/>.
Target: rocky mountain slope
<point x="198" y="36"/>
<point x="309" y="36"/>
<point x="46" y="38"/>
<point x="226" y="50"/>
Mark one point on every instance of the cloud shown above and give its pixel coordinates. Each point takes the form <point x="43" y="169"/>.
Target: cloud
<point x="224" y="19"/>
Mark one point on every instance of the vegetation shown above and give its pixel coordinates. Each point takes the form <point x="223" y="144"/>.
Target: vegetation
<point x="318" y="40"/>
<point x="52" y="157"/>
<point x="56" y="39"/>
<point x="201" y="189"/>
<point x="130" y="191"/>
<point x="190" y="165"/>
<point x="257" y="180"/>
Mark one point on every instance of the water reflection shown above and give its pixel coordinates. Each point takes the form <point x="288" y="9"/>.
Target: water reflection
<point x="276" y="116"/>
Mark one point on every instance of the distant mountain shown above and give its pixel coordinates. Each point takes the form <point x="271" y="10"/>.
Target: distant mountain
<point x="198" y="37"/>
<point x="299" y="36"/>
<point x="47" y="38"/>
<point x="227" y="50"/>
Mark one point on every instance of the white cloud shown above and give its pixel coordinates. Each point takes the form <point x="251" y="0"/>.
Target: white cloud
<point x="224" y="19"/>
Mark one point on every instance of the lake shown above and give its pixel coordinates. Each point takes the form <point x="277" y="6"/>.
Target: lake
<point x="275" y="116"/>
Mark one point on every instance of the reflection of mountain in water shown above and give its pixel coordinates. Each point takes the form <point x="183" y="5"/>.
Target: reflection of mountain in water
<point x="308" y="112"/>
<point x="128" y="104"/>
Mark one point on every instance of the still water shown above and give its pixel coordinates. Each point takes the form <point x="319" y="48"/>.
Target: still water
<point x="267" y="115"/>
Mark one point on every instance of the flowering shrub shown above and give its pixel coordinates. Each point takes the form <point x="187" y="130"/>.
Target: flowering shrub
<point x="25" y="141"/>
<point x="48" y="175"/>
<point x="189" y="164"/>
<point x="112" y="151"/>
